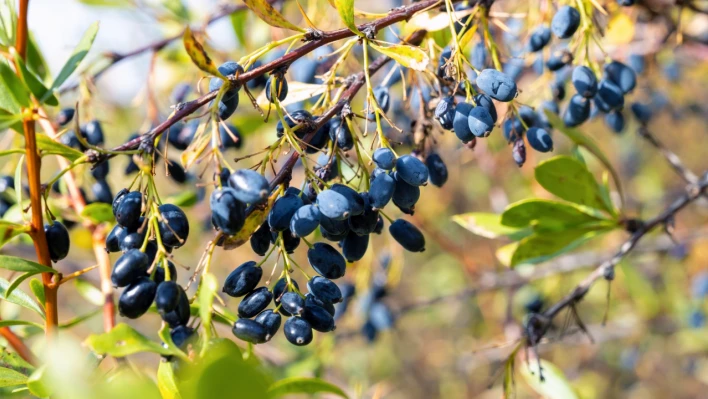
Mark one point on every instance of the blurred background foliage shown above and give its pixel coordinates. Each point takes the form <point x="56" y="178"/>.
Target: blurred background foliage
<point x="654" y="344"/>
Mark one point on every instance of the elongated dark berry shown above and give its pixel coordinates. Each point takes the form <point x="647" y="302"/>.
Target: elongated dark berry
<point x="250" y="331"/>
<point x="58" y="240"/>
<point x="137" y="298"/>
<point x="407" y="235"/>
<point x="326" y="260"/>
<point x="243" y="279"/>
<point x="297" y="331"/>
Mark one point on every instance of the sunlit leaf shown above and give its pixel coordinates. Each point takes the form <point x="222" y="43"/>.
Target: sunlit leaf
<point x="9" y="230"/>
<point x="98" y="212"/>
<point x="620" y="29"/>
<point x="360" y="13"/>
<point x="13" y="93"/>
<point x="80" y="318"/>
<point x="77" y="56"/>
<point x="11" y="323"/>
<point x="183" y="199"/>
<point x="297" y="92"/>
<point x="177" y="8"/>
<point x="554" y="384"/>
<point x="488" y="225"/>
<point x="345" y="8"/>
<point x="298" y="385"/>
<point x="570" y="180"/>
<point x="122" y="341"/>
<point x="550" y="214"/>
<point x="13" y="361"/>
<point x="209" y="286"/>
<point x="24" y="266"/>
<point x="542" y="246"/>
<point x="88" y="291"/>
<point x="239" y="25"/>
<point x="270" y="15"/>
<point x="47" y="146"/>
<point x="10" y="377"/>
<point x="199" y="56"/>
<point x="166" y="381"/>
<point x="38" y="290"/>
<point x="10" y="120"/>
<point x="408" y="56"/>
<point x="34" y="84"/>
<point x="19" y="297"/>
<point x="588" y="143"/>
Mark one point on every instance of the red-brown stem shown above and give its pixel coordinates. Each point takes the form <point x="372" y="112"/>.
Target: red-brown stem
<point x="34" y="163"/>
<point x="18" y="344"/>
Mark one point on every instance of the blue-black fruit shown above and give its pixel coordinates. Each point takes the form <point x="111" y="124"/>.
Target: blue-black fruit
<point x="436" y="169"/>
<point x="642" y="112"/>
<point x="129" y="267"/>
<point x="174" y="226"/>
<point x="300" y="118"/>
<point x="57" y="240"/>
<point x="324" y="289"/>
<point x="102" y="192"/>
<point x="243" y="279"/>
<point x="365" y="223"/>
<point x="159" y="272"/>
<point x="229" y="136"/>
<point x="128" y="209"/>
<point x="180" y="315"/>
<point x="167" y="297"/>
<point x="297" y="331"/>
<point x="497" y="85"/>
<point x="384" y="158"/>
<point x="255" y="302"/>
<point x="407" y="235"/>
<point x="251" y="187"/>
<point x="354" y="246"/>
<point x="278" y="85"/>
<point x="445" y="112"/>
<point x="326" y="260"/>
<point x="260" y="240"/>
<point x="228" y="214"/>
<point x="292" y="303"/>
<point x="621" y="75"/>
<point x="404" y="195"/>
<point x="176" y="172"/>
<point x="559" y="59"/>
<point x="460" y="124"/>
<point x="115" y="237"/>
<point x="318" y="318"/>
<point x="381" y="190"/>
<point x="578" y="111"/>
<point x="412" y="170"/>
<point x="133" y="239"/>
<point x="333" y="204"/>
<point x="93" y="133"/>
<point x="333" y="227"/>
<point x="282" y="212"/>
<point x="483" y="100"/>
<point x="65" y="116"/>
<point x="100" y="172"/>
<point x="585" y="81"/>
<point x="539" y="139"/>
<point x="383" y="98"/>
<point x="250" y="331"/>
<point x="356" y="201"/>
<point x="270" y="320"/>
<point x="305" y="220"/>
<point x="290" y="241"/>
<point x="340" y="134"/>
<point x="480" y="122"/>
<point x="311" y="300"/>
<point x="611" y="94"/>
<point x="539" y="38"/>
<point x="565" y="22"/>
<point x="615" y="121"/>
<point x="137" y="298"/>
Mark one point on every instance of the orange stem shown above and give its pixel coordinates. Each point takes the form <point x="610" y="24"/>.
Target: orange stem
<point x="19" y="345"/>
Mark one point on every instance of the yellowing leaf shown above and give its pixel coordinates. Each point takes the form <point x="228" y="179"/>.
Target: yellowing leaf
<point x="345" y="8"/>
<point x="297" y="92"/>
<point x="620" y="29"/>
<point x="270" y="15"/>
<point x="199" y="57"/>
<point x="361" y="14"/>
<point x="253" y="222"/>
<point x="554" y="385"/>
<point x="408" y="56"/>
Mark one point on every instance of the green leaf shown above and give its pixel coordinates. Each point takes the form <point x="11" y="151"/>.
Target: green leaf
<point x="199" y="56"/>
<point x="10" y="120"/>
<point x="408" y="56"/>
<point x="10" y="378"/>
<point x="10" y="323"/>
<point x="298" y="385"/>
<point x="98" y="212"/>
<point x="9" y="230"/>
<point x="122" y="341"/>
<point x="27" y="267"/>
<point x="177" y="8"/>
<point x="76" y="57"/>
<point x="38" y="290"/>
<point x="583" y="140"/>
<point x="554" y="385"/>
<point x="570" y="180"/>
<point x="88" y="291"/>
<point x="80" y="318"/>
<point x="345" y="8"/>
<point x="166" y="381"/>
<point x="270" y="15"/>
<point x="488" y="225"/>
<point x="34" y="84"/>
<point x="542" y="246"/>
<point x="239" y="24"/>
<point x="36" y="383"/>
<point x="206" y="299"/>
<point x="13" y="93"/>
<point x="48" y="146"/>
<point x="13" y="361"/>
<point x="550" y="214"/>
<point x="35" y="60"/>
<point x="184" y="199"/>
<point x="19" y="297"/>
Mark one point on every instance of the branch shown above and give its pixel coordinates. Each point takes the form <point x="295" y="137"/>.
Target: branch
<point x="671" y="157"/>
<point x="185" y="109"/>
<point x="538" y="325"/>
<point x="18" y="344"/>
<point x="225" y="10"/>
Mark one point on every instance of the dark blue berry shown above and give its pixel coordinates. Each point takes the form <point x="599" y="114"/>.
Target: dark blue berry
<point x="324" y="289"/>
<point x="354" y="246"/>
<point x="497" y="85"/>
<point x="297" y="331"/>
<point x="250" y="186"/>
<point x="128" y="209"/>
<point x="228" y="214"/>
<point x="539" y="139"/>
<point x="137" y="298"/>
<point x="326" y="260"/>
<point x="436" y="169"/>
<point x="565" y="22"/>
<point x="271" y="321"/>
<point x="585" y="81"/>
<point x="276" y="84"/>
<point x="407" y="235"/>
<point x="384" y="158"/>
<point x="292" y="303"/>
<point x="243" y="279"/>
<point x="260" y="240"/>
<point x="167" y="297"/>
<point x="58" y="240"/>
<point x="254" y="302"/>
<point x="250" y="331"/>
<point x="129" y="267"/>
<point x="539" y="38"/>
<point x="174" y="226"/>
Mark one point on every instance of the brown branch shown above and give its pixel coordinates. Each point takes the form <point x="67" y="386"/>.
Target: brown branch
<point x="18" y="344"/>
<point x="186" y="109"/>
<point x="34" y="163"/>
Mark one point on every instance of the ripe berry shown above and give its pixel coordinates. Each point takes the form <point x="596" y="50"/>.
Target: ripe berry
<point x="181" y="336"/>
<point x="445" y="56"/>
<point x="128" y="209"/>
<point x="228" y="214"/>
<point x="478" y="58"/>
<point x="445" y="112"/>
<point x="229" y="136"/>
<point x="518" y="152"/>
<point x="539" y="38"/>
<point x="411" y="170"/>
<point x="137" y="298"/>
<point x="58" y="240"/>
<point x="300" y="118"/>
<point x="250" y="186"/>
<point x="298" y="331"/>
<point x="565" y="22"/>
<point x="324" y="289"/>
<point x="578" y="111"/>
<point x="339" y="133"/>
<point x="356" y="201"/>
<point x="167" y="297"/>
<point x="539" y="139"/>
<point x="311" y="300"/>
<point x="365" y="223"/>
<point x="585" y="81"/>
<point x="243" y="279"/>
<point x="276" y="84"/>
<point x="292" y="303"/>
<point x="436" y="169"/>
<point x="271" y="321"/>
<point x="100" y="172"/>
<point x="404" y="195"/>
<point x="115" y="237"/>
<point x="255" y="302"/>
<point x="558" y="90"/>
<point x="383" y="98"/>
<point x="326" y="260"/>
<point x="497" y="85"/>
<point x="131" y="266"/>
<point x="260" y="240"/>
<point x="305" y="220"/>
<point x="318" y="318"/>
<point x="93" y="133"/>
<point x="133" y="239"/>
<point x="380" y="316"/>
<point x="159" y="272"/>
<point x="181" y="135"/>
<point x="460" y="124"/>
<point x="621" y="75"/>
<point x="381" y="190"/>
<point x="483" y="100"/>
<point x="480" y="122"/>
<point x="102" y="192"/>
<point x="559" y="59"/>
<point x="333" y="230"/>
<point x="179" y="316"/>
<point x="282" y="212"/>
<point x="333" y="204"/>
<point x="407" y="235"/>
<point x="176" y="172"/>
<point x="615" y="121"/>
<point x="174" y="226"/>
<point x="65" y="116"/>
<point x="384" y="158"/>
<point x="229" y="101"/>
<point x="290" y="241"/>
<point x="250" y="331"/>
<point x="610" y="94"/>
<point x="642" y="112"/>
<point x="354" y="246"/>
